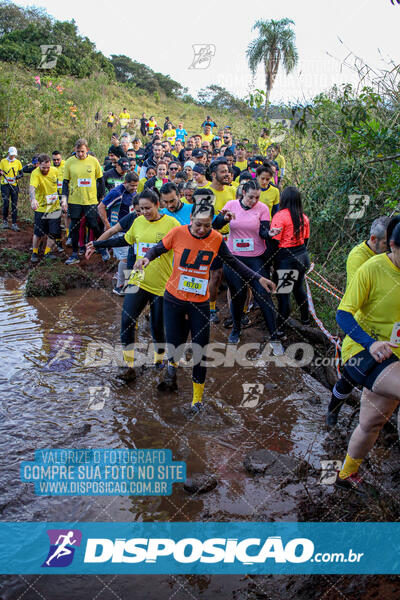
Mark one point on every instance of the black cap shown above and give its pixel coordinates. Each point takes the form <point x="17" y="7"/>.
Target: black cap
<point x="197" y="152"/>
<point x="124" y="164"/>
<point x="200" y="169"/>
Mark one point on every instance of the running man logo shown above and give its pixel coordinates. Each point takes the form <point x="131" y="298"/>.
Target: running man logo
<point x="287" y="279"/>
<point x="98" y="396"/>
<point x="203" y="53"/>
<point x="251" y="394"/>
<point x="357" y="206"/>
<point x="62" y="547"/>
<point x="50" y="56"/>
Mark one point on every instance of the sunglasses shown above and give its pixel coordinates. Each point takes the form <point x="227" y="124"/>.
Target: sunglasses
<point x="173" y="168"/>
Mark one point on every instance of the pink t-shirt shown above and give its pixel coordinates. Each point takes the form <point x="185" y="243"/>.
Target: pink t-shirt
<point x="244" y="239"/>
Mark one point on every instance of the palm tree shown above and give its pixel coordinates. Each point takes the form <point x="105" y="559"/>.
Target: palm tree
<point x="275" y="43"/>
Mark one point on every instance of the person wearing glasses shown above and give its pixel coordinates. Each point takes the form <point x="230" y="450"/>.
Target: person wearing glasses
<point x="228" y="141"/>
<point x="173" y="169"/>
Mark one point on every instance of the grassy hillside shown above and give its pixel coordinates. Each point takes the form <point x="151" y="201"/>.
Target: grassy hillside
<point x="38" y="120"/>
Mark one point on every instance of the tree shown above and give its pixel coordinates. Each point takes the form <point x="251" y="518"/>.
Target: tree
<point x="274" y="44"/>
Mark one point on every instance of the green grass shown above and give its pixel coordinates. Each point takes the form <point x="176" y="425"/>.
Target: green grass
<point x="55" y="278"/>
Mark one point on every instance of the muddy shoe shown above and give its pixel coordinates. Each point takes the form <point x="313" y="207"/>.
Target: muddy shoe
<point x="214" y="318"/>
<point x="331" y="419"/>
<point x="277" y="348"/>
<point x="127" y="373"/>
<point x="34" y="257"/>
<point x="196" y="409"/>
<point x="353" y="483"/>
<point x="168" y="384"/>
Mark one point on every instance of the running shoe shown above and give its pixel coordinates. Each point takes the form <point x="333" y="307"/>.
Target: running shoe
<point x="50" y="256"/>
<point x="277" y="348"/>
<point x="34" y="257"/>
<point x="72" y="260"/>
<point x="59" y="247"/>
<point x="5" y="225"/>
<point x="331" y="419"/>
<point x="228" y="322"/>
<point x="168" y="384"/>
<point x="234" y="336"/>
<point x="81" y="250"/>
<point x="15" y="227"/>
<point x="68" y="242"/>
<point x="351" y="483"/>
<point x="214" y="318"/>
<point x="127" y="373"/>
<point x="245" y="320"/>
<point x="197" y="408"/>
<point x="119" y="290"/>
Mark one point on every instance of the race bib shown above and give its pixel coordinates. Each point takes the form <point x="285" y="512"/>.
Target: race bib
<point x="51" y="198"/>
<point x="395" y="337"/>
<point x="142" y="248"/>
<point x="194" y="285"/>
<point x="11" y="180"/>
<point x="59" y="185"/>
<point x="84" y="183"/>
<point x="243" y="245"/>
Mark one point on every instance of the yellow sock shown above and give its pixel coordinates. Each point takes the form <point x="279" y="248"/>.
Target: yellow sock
<point x="128" y="357"/>
<point x="158" y="357"/>
<point x="35" y="250"/>
<point x="198" y="389"/>
<point x="350" y="466"/>
<point x="47" y="250"/>
<point x="212" y="305"/>
<point x="67" y="232"/>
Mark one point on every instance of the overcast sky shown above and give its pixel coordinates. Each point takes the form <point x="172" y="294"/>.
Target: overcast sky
<point x="161" y="35"/>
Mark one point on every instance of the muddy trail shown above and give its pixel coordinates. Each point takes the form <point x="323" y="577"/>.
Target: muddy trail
<point x="258" y="451"/>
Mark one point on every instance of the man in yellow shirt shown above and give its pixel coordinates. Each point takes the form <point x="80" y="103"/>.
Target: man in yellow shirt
<point x="360" y="254"/>
<point x="376" y="244"/>
<point x="45" y="202"/>
<point x="264" y="141"/>
<point x="124" y="117"/>
<point x="59" y="164"/>
<point x="220" y="179"/>
<point x="83" y="186"/>
<point x="207" y="135"/>
<point x="10" y="172"/>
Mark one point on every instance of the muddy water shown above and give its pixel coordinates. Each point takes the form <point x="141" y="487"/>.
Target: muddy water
<point x="44" y="407"/>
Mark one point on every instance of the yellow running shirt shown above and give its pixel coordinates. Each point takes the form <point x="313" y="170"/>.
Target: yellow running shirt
<point x="221" y="198"/>
<point x="45" y="190"/>
<point x="146" y="234"/>
<point x="82" y="176"/>
<point x="242" y="165"/>
<point x="270" y="196"/>
<point x="357" y="257"/>
<point x="10" y="170"/>
<point x="373" y="298"/>
<point x="207" y="138"/>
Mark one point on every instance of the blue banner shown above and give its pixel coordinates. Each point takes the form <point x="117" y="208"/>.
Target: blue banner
<point x="199" y="548"/>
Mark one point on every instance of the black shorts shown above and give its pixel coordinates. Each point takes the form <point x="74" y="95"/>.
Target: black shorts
<point x="76" y="211"/>
<point x="216" y="264"/>
<point x="362" y="369"/>
<point x="46" y="224"/>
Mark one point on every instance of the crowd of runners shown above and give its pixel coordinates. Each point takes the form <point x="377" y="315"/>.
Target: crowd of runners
<point x="190" y="216"/>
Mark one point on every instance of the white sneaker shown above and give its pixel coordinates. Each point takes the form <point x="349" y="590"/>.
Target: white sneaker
<point x="277" y="348"/>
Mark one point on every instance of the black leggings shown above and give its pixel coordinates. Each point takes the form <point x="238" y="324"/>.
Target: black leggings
<point x="293" y="259"/>
<point x="7" y="191"/>
<point x="238" y="289"/>
<point x="180" y="319"/>
<point x="134" y="302"/>
<point x="76" y="211"/>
